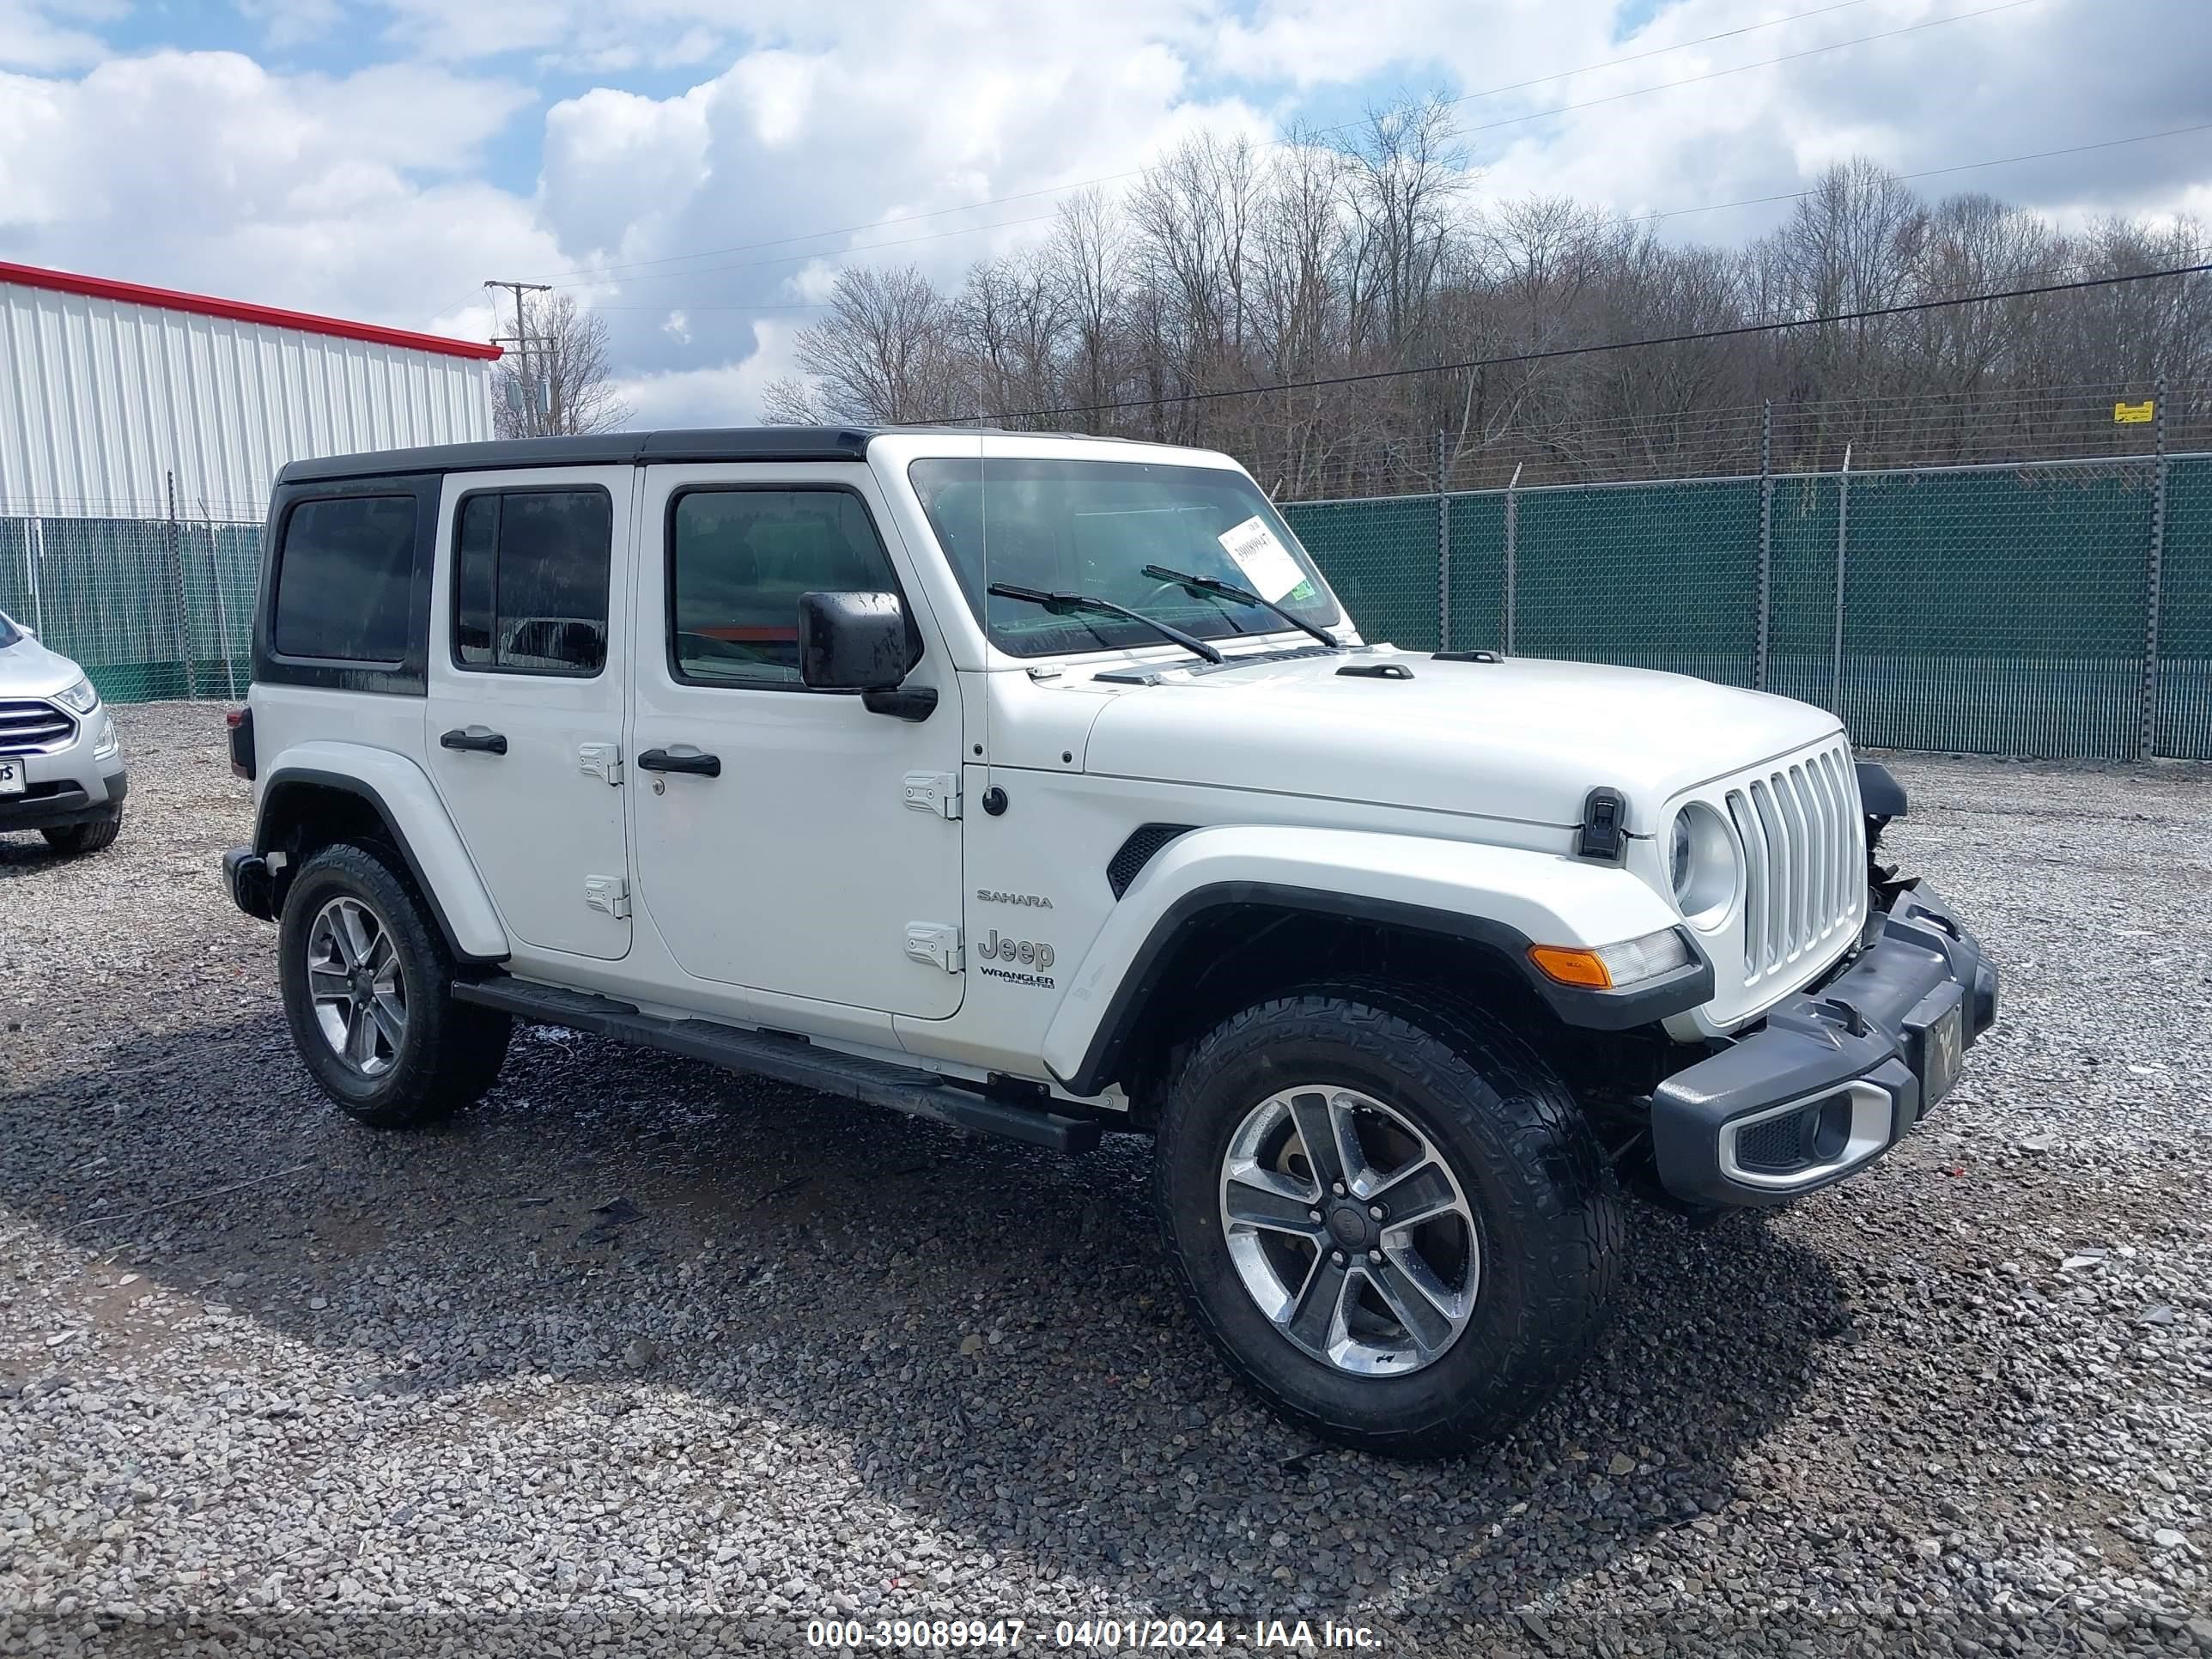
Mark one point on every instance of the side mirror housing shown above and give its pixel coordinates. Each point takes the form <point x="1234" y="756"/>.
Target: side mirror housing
<point x="853" y="641"/>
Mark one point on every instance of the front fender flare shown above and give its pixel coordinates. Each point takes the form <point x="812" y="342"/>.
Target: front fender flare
<point x="1503" y="898"/>
<point x="403" y="796"/>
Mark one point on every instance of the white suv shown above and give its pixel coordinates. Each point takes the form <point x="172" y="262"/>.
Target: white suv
<point x="1039" y="785"/>
<point x="61" y="762"/>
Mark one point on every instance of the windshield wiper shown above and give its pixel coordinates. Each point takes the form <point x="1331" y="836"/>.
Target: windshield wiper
<point x="1092" y="602"/>
<point x="1231" y="591"/>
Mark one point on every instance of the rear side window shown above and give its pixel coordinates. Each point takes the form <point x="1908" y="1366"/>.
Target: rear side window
<point x="529" y="580"/>
<point x="739" y="559"/>
<point x="345" y="575"/>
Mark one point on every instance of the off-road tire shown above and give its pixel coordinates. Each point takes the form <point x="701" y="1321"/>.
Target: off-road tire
<point x="451" y="1051"/>
<point x="75" y="840"/>
<point x="1549" y="1213"/>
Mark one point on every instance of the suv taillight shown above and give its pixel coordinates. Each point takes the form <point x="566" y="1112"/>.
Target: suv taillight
<point x="240" y="722"/>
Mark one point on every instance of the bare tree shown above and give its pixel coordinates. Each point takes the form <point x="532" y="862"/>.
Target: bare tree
<point x="557" y="382"/>
<point x="1409" y="171"/>
<point x="1087" y="250"/>
<point x="883" y="355"/>
<point x="1317" y="269"/>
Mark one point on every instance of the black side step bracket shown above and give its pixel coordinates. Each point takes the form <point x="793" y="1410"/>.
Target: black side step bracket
<point x="787" y="1059"/>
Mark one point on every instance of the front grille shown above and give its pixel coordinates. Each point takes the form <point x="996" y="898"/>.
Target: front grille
<point x="34" y="728"/>
<point x="1804" y="846"/>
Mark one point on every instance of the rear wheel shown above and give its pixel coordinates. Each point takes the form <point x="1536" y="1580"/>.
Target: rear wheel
<point x="1388" y="1215"/>
<point x="71" y="840"/>
<point x="367" y="986"/>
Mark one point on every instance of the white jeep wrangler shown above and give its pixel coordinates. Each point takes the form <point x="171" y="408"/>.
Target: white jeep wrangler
<point x="1038" y="785"/>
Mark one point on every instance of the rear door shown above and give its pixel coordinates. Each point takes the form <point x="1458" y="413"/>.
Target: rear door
<point x="527" y="670"/>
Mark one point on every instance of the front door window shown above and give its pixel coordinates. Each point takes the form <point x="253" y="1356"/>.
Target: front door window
<point x="739" y="561"/>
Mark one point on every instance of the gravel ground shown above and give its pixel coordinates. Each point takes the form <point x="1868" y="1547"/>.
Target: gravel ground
<point x="642" y="1355"/>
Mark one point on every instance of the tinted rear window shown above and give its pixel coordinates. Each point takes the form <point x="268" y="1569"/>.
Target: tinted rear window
<point x="344" y="576"/>
<point x="529" y="580"/>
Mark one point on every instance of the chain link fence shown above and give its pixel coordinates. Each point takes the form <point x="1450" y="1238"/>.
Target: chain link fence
<point x="2057" y="608"/>
<point x="152" y="606"/>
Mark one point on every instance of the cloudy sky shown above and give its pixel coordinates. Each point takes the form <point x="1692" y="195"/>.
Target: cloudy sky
<point x="699" y="171"/>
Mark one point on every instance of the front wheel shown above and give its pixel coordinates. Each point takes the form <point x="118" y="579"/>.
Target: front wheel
<point x="367" y="982"/>
<point x="75" y="840"/>
<point x="1388" y="1215"/>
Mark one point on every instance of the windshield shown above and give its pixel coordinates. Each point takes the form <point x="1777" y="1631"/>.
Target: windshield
<point x="8" y="632"/>
<point x="1091" y="527"/>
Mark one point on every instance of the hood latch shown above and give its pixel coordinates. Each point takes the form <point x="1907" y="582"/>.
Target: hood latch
<point x="1602" y="836"/>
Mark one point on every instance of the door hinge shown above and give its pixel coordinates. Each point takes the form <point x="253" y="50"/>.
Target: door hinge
<point x="600" y="760"/>
<point x="608" y="893"/>
<point x="934" y="792"/>
<point x="937" y="943"/>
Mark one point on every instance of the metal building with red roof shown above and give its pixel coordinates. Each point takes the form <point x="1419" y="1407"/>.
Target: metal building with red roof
<point x="110" y="391"/>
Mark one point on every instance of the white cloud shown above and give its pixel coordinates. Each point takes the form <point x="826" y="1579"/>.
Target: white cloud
<point x="722" y="394"/>
<point x="879" y="124"/>
<point x="203" y="171"/>
<point x="34" y="36"/>
<point x="292" y="22"/>
<point x="369" y="194"/>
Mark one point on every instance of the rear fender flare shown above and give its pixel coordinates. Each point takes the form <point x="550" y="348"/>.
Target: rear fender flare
<point x="1505" y="899"/>
<point x="403" y="798"/>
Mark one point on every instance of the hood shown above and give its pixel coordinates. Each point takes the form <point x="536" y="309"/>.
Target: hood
<point x="27" y="668"/>
<point x="1524" y="739"/>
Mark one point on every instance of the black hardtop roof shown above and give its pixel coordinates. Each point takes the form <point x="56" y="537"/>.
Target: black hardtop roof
<point x="724" y="443"/>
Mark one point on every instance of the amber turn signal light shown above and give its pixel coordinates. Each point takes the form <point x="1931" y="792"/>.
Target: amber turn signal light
<point x="1585" y="968"/>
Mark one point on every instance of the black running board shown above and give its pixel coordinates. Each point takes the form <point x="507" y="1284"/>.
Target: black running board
<point x="786" y="1058"/>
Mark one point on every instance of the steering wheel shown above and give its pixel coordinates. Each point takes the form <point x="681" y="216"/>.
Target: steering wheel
<point x="705" y="645"/>
<point x="1163" y="590"/>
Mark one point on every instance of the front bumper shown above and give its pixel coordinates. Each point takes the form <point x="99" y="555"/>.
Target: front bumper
<point x="57" y="803"/>
<point x="1837" y="1074"/>
<point x="70" y="782"/>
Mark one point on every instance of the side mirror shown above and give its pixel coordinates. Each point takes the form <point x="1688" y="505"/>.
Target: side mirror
<point x="853" y="642"/>
<point x="862" y="642"/>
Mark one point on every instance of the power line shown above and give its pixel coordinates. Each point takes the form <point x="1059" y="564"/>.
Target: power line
<point x="602" y="270"/>
<point x="1551" y="352"/>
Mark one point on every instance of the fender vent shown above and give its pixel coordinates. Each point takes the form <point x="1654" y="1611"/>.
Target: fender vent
<point x="1136" y="852"/>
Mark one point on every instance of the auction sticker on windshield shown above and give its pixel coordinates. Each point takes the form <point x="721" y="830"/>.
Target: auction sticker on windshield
<point x="1266" y="563"/>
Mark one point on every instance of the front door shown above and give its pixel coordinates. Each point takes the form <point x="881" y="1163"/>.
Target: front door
<point x="528" y="664"/>
<point x="803" y="845"/>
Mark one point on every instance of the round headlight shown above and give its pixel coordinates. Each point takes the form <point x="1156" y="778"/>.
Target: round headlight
<point x="1702" y="864"/>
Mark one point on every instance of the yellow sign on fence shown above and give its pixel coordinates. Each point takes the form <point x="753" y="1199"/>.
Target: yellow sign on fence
<point x="2134" y="414"/>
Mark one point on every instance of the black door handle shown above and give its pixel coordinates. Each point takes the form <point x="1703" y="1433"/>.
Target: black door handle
<point x="486" y="743"/>
<point x="659" y="760"/>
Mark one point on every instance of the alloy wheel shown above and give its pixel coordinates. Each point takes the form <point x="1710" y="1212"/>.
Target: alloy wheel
<point x="359" y="993"/>
<point x="1349" y="1231"/>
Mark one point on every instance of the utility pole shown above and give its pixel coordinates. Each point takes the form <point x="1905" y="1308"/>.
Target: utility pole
<point x="519" y="341"/>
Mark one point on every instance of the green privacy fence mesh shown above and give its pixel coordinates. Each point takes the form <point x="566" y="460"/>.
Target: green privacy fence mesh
<point x="1994" y="610"/>
<point x="149" y="607"/>
<point x="2182" y="696"/>
<point x="1997" y="610"/>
